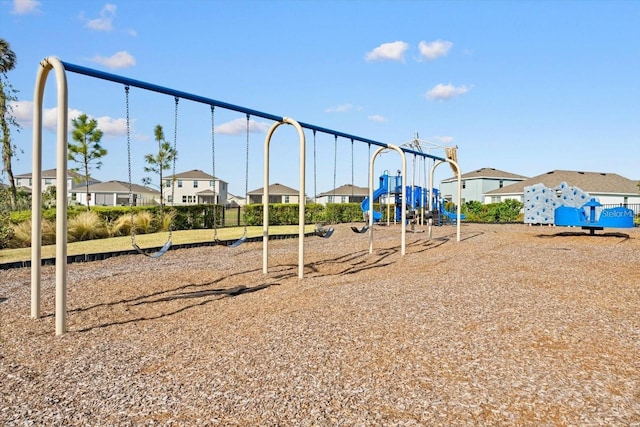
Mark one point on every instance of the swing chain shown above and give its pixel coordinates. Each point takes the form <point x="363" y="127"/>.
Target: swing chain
<point x="131" y="204"/>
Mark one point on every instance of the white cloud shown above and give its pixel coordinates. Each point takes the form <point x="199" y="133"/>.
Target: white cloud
<point x="393" y="51"/>
<point x="25" y="7"/>
<point x="342" y="108"/>
<point x="50" y="118"/>
<point x="105" y="21"/>
<point x="111" y="126"/>
<point x="377" y="118"/>
<point x="442" y="92"/>
<point x="22" y="111"/>
<point x="239" y="127"/>
<point x="118" y="60"/>
<point x="435" y="49"/>
<point x="444" y="139"/>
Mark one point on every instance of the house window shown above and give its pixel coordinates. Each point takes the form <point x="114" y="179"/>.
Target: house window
<point x="501" y="183"/>
<point x="195" y="184"/>
<point x="464" y="184"/>
<point x="344" y="199"/>
<point x="495" y="199"/>
<point x="330" y="199"/>
<point x="286" y="199"/>
<point x="47" y="181"/>
<point x="18" y="182"/>
<point x="30" y="182"/>
<point x="179" y="183"/>
<point x="211" y="183"/>
<point x="170" y="199"/>
<point x="167" y="183"/>
<point x="184" y="199"/>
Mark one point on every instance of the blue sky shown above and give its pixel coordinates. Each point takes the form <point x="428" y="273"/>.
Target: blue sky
<point x="521" y="86"/>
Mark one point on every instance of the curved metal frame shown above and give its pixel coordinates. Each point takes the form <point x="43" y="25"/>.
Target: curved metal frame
<point x="265" y="197"/>
<point x="61" y="194"/>
<point x="433" y="168"/>
<point x="403" y="218"/>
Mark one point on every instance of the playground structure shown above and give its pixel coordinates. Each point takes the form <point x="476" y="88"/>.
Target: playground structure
<point x="418" y="199"/>
<point x="60" y="68"/>
<point x="569" y="206"/>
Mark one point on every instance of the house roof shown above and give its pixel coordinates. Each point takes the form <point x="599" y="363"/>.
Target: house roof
<point x="193" y="174"/>
<point x="346" y="190"/>
<point x="487" y="173"/>
<point x="275" y="190"/>
<point x="590" y="182"/>
<point x="52" y="173"/>
<point x="115" y="187"/>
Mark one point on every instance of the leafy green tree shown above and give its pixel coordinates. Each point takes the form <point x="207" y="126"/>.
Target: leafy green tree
<point x="7" y="95"/>
<point x="87" y="150"/>
<point x="162" y="160"/>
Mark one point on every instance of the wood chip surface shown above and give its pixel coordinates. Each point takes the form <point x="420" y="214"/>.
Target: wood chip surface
<point x="513" y="325"/>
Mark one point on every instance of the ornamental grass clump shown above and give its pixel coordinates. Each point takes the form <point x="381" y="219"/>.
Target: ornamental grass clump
<point x="86" y="226"/>
<point x="22" y="234"/>
<point x="121" y="226"/>
<point x="143" y="222"/>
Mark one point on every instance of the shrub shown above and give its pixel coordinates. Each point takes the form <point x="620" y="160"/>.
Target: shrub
<point x="121" y="226"/>
<point x="22" y="234"/>
<point x="143" y="222"/>
<point x="86" y="226"/>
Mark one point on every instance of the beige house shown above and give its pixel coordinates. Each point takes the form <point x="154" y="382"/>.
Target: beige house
<point x="344" y="194"/>
<point x="609" y="188"/>
<point x="278" y="193"/>
<point x="194" y="187"/>
<point x="115" y="193"/>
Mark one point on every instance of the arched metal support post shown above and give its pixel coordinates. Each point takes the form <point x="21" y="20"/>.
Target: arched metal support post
<point x="61" y="189"/>
<point x="403" y="217"/>
<point x="265" y="197"/>
<point x="458" y="215"/>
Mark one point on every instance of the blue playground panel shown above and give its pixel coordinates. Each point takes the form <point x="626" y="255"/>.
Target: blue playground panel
<point x="617" y="217"/>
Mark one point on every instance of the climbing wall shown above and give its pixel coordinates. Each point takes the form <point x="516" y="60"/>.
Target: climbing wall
<point x="540" y="201"/>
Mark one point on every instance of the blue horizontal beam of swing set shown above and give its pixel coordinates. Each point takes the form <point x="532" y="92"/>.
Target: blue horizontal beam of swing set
<point x="78" y="69"/>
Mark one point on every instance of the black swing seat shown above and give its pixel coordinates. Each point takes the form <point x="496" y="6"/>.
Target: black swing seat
<point x="359" y="230"/>
<point x="324" y="232"/>
<point x="157" y="254"/>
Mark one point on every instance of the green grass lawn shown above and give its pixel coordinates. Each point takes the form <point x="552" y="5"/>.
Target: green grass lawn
<point x="147" y="240"/>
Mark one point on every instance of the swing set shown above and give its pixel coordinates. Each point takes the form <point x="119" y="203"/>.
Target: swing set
<point x="61" y="68"/>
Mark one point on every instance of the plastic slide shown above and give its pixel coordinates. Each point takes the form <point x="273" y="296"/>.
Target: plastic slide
<point x="377" y="216"/>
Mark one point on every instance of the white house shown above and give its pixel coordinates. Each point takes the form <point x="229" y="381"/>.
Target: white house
<point x="48" y="179"/>
<point x="115" y="193"/>
<point x="195" y="187"/>
<point x="609" y="188"/>
<point x="477" y="183"/>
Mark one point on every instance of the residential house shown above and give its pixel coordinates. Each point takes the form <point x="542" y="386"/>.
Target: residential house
<point x="477" y="183"/>
<point x="235" y="201"/>
<point x="344" y="194"/>
<point x="194" y="187"/>
<point x="115" y="193"/>
<point x="278" y="193"/>
<point x="48" y="178"/>
<point x="609" y="188"/>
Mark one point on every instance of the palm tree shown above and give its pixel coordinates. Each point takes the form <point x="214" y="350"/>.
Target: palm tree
<point x="7" y="63"/>
<point x="88" y="150"/>
<point x="162" y="160"/>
